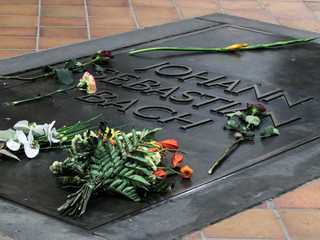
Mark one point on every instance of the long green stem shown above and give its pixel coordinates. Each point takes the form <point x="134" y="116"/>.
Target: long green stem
<point x="28" y="78"/>
<point x="43" y="96"/>
<point x="224" y="155"/>
<point x="221" y="49"/>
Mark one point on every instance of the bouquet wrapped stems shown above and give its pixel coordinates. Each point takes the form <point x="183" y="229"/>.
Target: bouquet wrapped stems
<point x="236" y="47"/>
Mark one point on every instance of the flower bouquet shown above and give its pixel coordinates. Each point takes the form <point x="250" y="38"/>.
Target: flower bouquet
<point x="110" y="161"/>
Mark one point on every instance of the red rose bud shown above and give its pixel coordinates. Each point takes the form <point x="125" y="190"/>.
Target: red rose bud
<point x="255" y="108"/>
<point x="102" y="55"/>
<point x="160" y="173"/>
<point x="170" y="144"/>
<point x="106" y="54"/>
<point x="177" y="160"/>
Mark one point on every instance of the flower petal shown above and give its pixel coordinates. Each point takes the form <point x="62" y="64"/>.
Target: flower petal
<point x="7" y="134"/>
<point x="13" y="145"/>
<point x="21" y="137"/>
<point x="22" y="125"/>
<point x="30" y="151"/>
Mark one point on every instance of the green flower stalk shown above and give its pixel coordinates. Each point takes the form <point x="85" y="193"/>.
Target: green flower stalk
<point x="235" y="47"/>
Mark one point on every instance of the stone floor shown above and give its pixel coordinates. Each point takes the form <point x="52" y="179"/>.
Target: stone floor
<point x="34" y="25"/>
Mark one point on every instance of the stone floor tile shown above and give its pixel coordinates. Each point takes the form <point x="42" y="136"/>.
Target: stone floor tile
<point x="262" y="206"/>
<point x="196" y="4"/>
<point x="196" y="12"/>
<point x="110" y="11"/>
<point x="112" y="21"/>
<point x="19" y="2"/>
<point x="312" y="25"/>
<point x="17" y="20"/>
<point x="317" y="13"/>
<point x="18" y="31"/>
<point x="97" y="32"/>
<point x="62" y="2"/>
<point x="109" y="3"/>
<point x="45" y="42"/>
<point x="306" y="196"/>
<point x="17" y="43"/>
<point x="19" y="10"/>
<point x="63" y="21"/>
<point x="226" y="5"/>
<point x="148" y="12"/>
<point x="251" y="224"/>
<point x="62" y="11"/>
<point x="301" y="224"/>
<point x="283" y="5"/>
<point x="64" y="32"/>
<point x="149" y="22"/>
<point x="315" y="6"/>
<point x="292" y="14"/>
<point x="152" y="3"/>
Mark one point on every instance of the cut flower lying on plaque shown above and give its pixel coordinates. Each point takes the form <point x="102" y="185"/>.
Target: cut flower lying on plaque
<point x="86" y="83"/>
<point x="32" y="137"/>
<point x="65" y="74"/>
<point x="232" y="48"/>
<point x="111" y="161"/>
<point x="244" y="128"/>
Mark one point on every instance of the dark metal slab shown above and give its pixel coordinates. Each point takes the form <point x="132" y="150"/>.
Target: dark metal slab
<point x="186" y="94"/>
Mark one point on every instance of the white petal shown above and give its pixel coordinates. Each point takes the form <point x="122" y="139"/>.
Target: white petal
<point x="30" y="136"/>
<point x="13" y="145"/>
<point x="29" y="151"/>
<point x="7" y="134"/>
<point x="40" y="129"/>
<point x="21" y="137"/>
<point x="22" y="125"/>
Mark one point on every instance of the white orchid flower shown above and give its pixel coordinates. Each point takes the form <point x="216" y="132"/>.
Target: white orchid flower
<point x="52" y="134"/>
<point x="31" y="147"/>
<point x="24" y="126"/>
<point x="9" y="136"/>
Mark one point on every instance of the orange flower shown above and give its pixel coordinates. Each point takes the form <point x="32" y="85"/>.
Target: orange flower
<point x="186" y="172"/>
<point x="160" y="173"/>
<point x="170" y="144"/>
<point x="244" y="44"/>
<point x="177" y="160"/>
<point x="235" y="46"/>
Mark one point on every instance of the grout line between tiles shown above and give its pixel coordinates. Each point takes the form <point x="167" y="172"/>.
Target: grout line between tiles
<point x="312" y="12"/>
<point x="203" y="237"/>
<point x="177" y="8"/>
<point x="221" y="8"/>
<point x="134" y="15"/>
<point x="269" y="13"/>
<point x="39" y="22"/>
<point x="284" y="229"/>
<point x="87" y="18"/>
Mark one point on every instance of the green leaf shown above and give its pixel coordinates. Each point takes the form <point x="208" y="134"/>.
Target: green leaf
<point x="64" y="76"/>
<point x="98" y="68"/>
<point x="237" y="113"/>
<point x="71" y="63"/>
<point x="247" y="133"/>
<point x="149" y="135"/>
<point x="139" y="179"/>
<point x="252" y="120"/>
<point x="270" y="131"/>
<point x="232" y="124"/>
